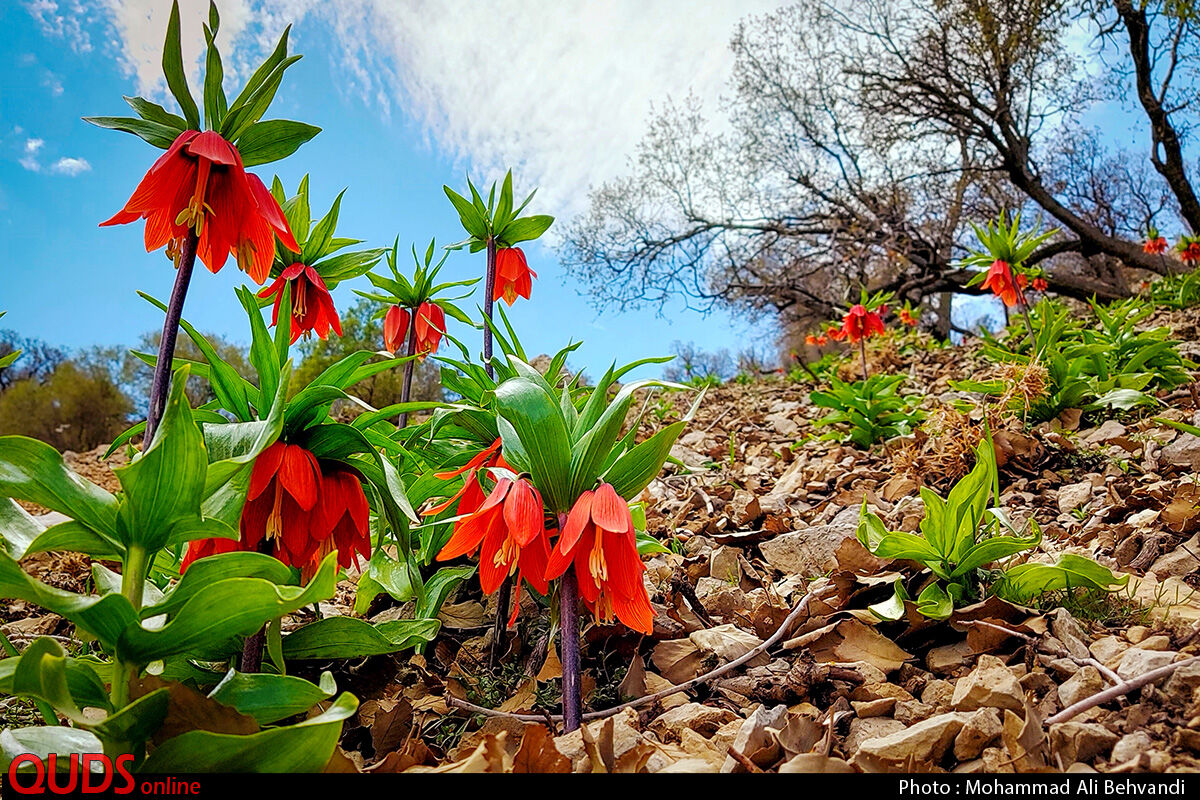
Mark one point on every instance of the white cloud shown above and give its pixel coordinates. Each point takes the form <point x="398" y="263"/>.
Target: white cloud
<point x="63" y="22"/>
<point x="560" y="91"/>
<point x="29" y="154"/>
<point x="70" y="166"/>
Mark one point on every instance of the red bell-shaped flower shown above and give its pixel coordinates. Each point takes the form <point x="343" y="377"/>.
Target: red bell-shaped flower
<point x="600" y="542"/>
<point x="513" y="275"/>
<point x="199" y="184"/>
<point x="312" y="304"/>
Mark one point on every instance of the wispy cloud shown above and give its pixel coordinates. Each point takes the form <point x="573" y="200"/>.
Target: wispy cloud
<point x="561" y="91"/>
<point x="70" y="166"/>
<point x="65" y="21"/>
<point x="29" y="155"/>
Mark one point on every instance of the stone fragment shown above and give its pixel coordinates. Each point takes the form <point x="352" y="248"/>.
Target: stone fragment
<point x="810" y="552"/>
<point x="1130" y="746"/>
<point x="923" y="743"/>
<point x="1080" y="741"/>
<point x="983" y="728"/>
<point x="1137" y="661"/>
<point x="1107" y="649"/>
<point x="1083" y="684"/>
<point x="1183" y="452"/>
<point x="1183" y="682"/>
<point x="989" y="685"/>
<point x="939" y="694"/>
<point x="911" y="712"/>
<point x="1074" y="495"/>
<point x="870" y="728"/>
<point x="755" y="739"/>
<point x="873" y="708"/>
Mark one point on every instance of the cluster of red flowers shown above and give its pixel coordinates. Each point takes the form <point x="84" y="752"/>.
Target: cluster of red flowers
<point x="508" y="530"/>
<point x="428" y="329"/>
<point x="303" y="507"/>
<point x="1189" y="250"/>
<point x="906" y="317"/>
<point x="513" y="275"/>
<point x="199" y="185"/>
<point x="816" y="341"/>
<point x="1155" y="245"/>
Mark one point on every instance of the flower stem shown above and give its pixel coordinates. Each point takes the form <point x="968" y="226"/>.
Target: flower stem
<point x="133" y="583"/>
<point x="862" y="349"/>
<point x="1028" y="319"/>
<point x="568" y="618"/>
<point x="489" y="288"/>
<point x="504" y="598"/>
<point x="170" y="332"/>
<point x="410" y="349"/>
<point x="252" y="648"/>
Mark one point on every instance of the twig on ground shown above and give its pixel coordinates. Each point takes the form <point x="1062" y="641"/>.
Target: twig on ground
<point x="1062" y="652"/>
<point x="780" y="633"/>
<point x="1121" y="689"/>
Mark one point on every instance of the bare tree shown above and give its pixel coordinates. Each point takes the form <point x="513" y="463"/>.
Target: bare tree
<point x="861" y="139"/>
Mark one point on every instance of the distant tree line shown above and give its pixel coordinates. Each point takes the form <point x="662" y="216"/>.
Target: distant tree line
<point x="80" y="400"/>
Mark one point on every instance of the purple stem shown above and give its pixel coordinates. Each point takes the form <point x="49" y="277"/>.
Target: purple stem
<point x="504" y="598"/>
<point x="159" y="389"/>
<point x="568" y="618"/>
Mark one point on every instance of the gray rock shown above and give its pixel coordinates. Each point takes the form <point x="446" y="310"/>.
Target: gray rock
<point x="810" y="552"/>
<point x="1137" y="661"/>
<point x="923" y="743"/>
<point x="1130" y="746"/>
<point x="1183" y="682"/>
<point x="1183" y="452"/>
<point x="990" y="685"/>
<point x="1074" y="495"/>
<point x="870" y="728"/>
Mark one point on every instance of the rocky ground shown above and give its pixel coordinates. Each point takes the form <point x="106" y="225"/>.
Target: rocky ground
<point x="762" y="513"/>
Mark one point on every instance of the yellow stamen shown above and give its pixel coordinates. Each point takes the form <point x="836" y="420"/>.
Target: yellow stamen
<point x="193" y="214"/>
<point x="597" y="566"/>
<point x="275" y="518"/>
<point x="245" y="254"/>
<point x="506" y="554"/>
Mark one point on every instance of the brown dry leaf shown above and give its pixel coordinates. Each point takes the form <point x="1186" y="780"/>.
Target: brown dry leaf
<point x="851" y="640"/>
<point x="1025" y="740"/>
<point x="415" y="753"/>
<point x="729" y="642"/>
<point x="816" y="763"/>
<point x="551" y="667"/>
<point x="678" y="660"/>
<point x="1182" y="509"/>
<point x="538" y="754"/>
<point x="523" y="698"/>
<point x="491" y="756"/>
<point x="390" y="729"/>
<point x="463" y="615"/>
<point x="339" y="762"/>
<point x="188" y="710"/>
<point x="633" y="685"/>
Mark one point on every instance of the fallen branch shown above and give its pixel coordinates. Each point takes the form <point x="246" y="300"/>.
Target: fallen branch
<point x="1121" y="689"/>
<point x="787" y="624"/>
<point x="1061" y="652"/>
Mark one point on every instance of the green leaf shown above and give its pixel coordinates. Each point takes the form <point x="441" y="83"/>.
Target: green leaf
<point x="215" y="569"/>
<point x="172" y="64"/>
<point x="538" y="423"/>
<point x="85" y="685"/>
<point x="272" y="140"/>
<point x="438" y="588"/>
<point x="634" y="470"/>
<point x="304" y="747"/>
<point x="164" y="487"/>
<point x="153" y="112"/>
<point x="33" y="471"/>
<point x="228" y="608"/>
<point x="42" y="673"/>
<point x="103" y="617"/>
<point x="350" y="637"/>
<point x="525" y="229"/>
<point x="136" y="722"/>
<point x="214" y="93"/>
<point x="270" y="698"/>
<point x="43" y="741"/>
<point x="891" y="609"/>
<point x="161" y="136"/>
<point x="472" y="220"/>
<point x="1025" y="582"/>
<point x="933" y="602"/>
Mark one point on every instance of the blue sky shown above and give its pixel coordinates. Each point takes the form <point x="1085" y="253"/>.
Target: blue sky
<point x="391" y="135"/>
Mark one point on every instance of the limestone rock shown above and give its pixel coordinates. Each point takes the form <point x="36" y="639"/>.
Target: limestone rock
<point x="983" y="728"/>
<point x="946" y="659"/>
<point x="1130" y="746"/>
<point x="1183" y="682"/>
<point x="912" y="711"/>
<point x="1183" y="452"/>
<point x="1074" y="495"/>
<point x="1084" y="683"/>
<point x="1107" y="650"/>
<point x="990" y="685"/>
<point x="939" y="694"/>
<point x="923" y="743"/>
<point x="755" y="738"/>
<point x="862" y="730"/>
<point x="1080" y="741"/>
<point x="1137" y="661"/>
<point x="812" y="551"/>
